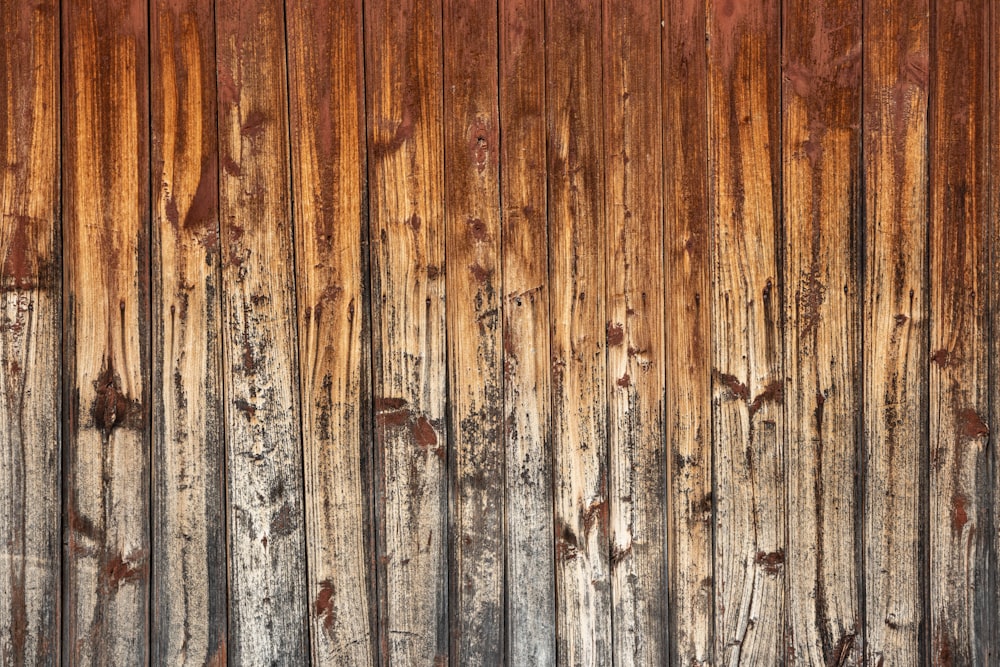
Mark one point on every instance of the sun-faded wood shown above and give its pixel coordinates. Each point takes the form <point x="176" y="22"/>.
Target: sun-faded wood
<point x="530" y="616"/>
<point x="687" y="239"/>
<point x="894" y="326"/>
<point x="821" y="191"/>
<point x="406" y="186"/>
<point x="961" y="480"/>
<point x="748" y="381"/>
<point x="579" y="332"/>
<point x="633" y="209"/>
<point x="267" y="558"/>
<point x="189" y="525"/>
<point x="30" y="335"/>
<point x="326" y="78"/>
<point x="105" y="170"/>
<point x="473" y="284"/>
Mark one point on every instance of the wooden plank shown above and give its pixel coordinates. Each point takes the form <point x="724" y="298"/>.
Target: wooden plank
<point x="895" y="327"/>
<point x="530" y="569"/>
<point x="633" y="209"/>
<point x="406" y="180"/>
<point x="106" y="337"/>
<point x="30" y="335"/>
<point x="267" y="575"/>
<point x="473" y="281"/>
<point x="326" y="78"/>
<point x="580" y="334"/>
<point x="189" y="525"/>
<point x="821" y="98"/>
<point x="687" y="239"/>
<point x="960" y="476"/>
<point x="748" y="382"/>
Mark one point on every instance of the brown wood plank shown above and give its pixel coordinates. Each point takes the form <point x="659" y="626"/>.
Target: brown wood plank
<point x="895" y="326"/>
<point x="326" y="76"/>
<point x="960" y="476"/>
<point x="633" y="209"/>
<point x="748" y="382"/>
<point x="990" y="597"/>
<point x="473" y="281"/>
<point x="406" y="186"/>
<point x="821" y="190"/>
<point x="267" y="574"/>
<point x="30" y="335"/>
<point x="530" y="569"/>
<point x="687" y="249"/>
<point x="106" y="336"/>
<point x="189" y="524"/>
<point x="578" y="341"/>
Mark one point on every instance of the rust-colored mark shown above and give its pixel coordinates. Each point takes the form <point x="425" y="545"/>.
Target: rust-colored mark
<point x="595" y="514"/>
<point x="842" y="651"/>
<point x="624" y="381"/>
<point x="283" y="521"/>
<point x="110" y="406"/>
<point x="971" y="425"/>
<point x="945" y="359"/>
<point x="616" y="334"/>
<point x="425" y="437"/>
<point x="771" y="562"/>
<point x="219" y="657"/>
<point x="736" y="388"/>
<point x="944" y="654"/>
<point x="254" y="124"/>
<point x="773" y="393"/>
<point x="477" y="230"/>
<point x="324" y="604"/>
<point x="479" y="273"/>
<point x="413" y="222"/>
<point x="248" y="409"/>
<point x="396" y="418"/>
<point x="385" y="404"/>
<point x="959" y="514"/>
<point x="432" y="272"/>
<point x="231" y="167"/>
<point x="901" y="319"/>
<point x="17" y="270"/>
<point x="19" y="621"/>
<point x="119" y="571"/>
<point x="567" y="546"/>
<point x="249" y="363"/>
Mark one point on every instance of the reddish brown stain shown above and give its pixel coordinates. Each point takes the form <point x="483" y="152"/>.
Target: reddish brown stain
<point x="624" y="381"/>
<point x="249" y="410"/>
<point x="324" y="604"/>
<point x="595" y="514"/>
<point x="945" y="359"/>
<point x="396" y="418"/>
<point x="971" y="425"/>
<point x="842" y="651"/>
<point x="383" y="404"/>
<point x="254" y="123"/>
<point x="479" y="273"/>
<point x="959" y="514"/>
<point x="283" y="522"/>
<point x="773" y="392"/>
<point x="110" y="406"/>
<point x="119" y="571"/>
<point x="17" y="269"/>
<point x="616" y="334"/>
<point x="737" y="388"/>
<point x="477" y="230"/>
<point x="771" y="562"/>
<point x="231" y="167"/>
<point x="425" y="437"/>
<point x="413" y="222"/>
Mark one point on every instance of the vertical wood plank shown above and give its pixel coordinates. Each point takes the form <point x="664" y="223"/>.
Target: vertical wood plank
<point x="687" y="239"/>
<point x="326" y="72"/>
<point x="475" y="391"/>
<point x="530" y="611"/>
<point x="960" y="479"/>
<point x="895" y="326"/>
<point x="268" y="606"/>
<point x="579" y="335"/>
<point x="633" y="209"/>
<point x="821" y="188"/>
<point x="30" y="335"/>
<point x="991" y="595"/>
<point x="106" y="336"/>
<point x="406" y="179"/>
<point x="748" y="382"/>
<point x="189" y="525"/>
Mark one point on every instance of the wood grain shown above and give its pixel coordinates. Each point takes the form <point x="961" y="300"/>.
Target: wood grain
<point x="579" y="332"/>
<point x="961" y="480"/>
<point x="633" y="214"/>
<point x="530" y="616"/>
<point x="895" y="327"/>
<point x="326" y="82"/>
<point x="30" y="335"/>
<point x="403" y="69"/>
<point x="188" y="531"/>
<point x="821" y="190"/>
<point x="687" y="248"/>
<point x="475" y="389"/>
<point x="747" y="338"/>
<point x="267" y="556"/>
<point x="106" y="335"/>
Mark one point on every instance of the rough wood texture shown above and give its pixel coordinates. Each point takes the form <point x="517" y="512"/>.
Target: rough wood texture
<point x="30" y="335"/>
<point x="894" y="327"/>
<point x="748" y="380"/>
<point x="579" y="331"/>
<point x="106" y="336"/>
<point x="530" y="567"/>
<point x="267" y="556"/>
<point x="189" y="563"/>
<point x="687" y="247"/>
<point x="326" y="78"/>
<point x="961" y="481"/>
<point x="822" y="189"/>
<point x="406" y="176"/>
<point x="475" y="391"/>
<point x="633" y="206"/>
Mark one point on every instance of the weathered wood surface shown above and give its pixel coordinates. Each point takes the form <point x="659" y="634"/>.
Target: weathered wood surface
<point x="30" y="335"/>
<point x="528" y="332"/>
<point x="189" y="561"/>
